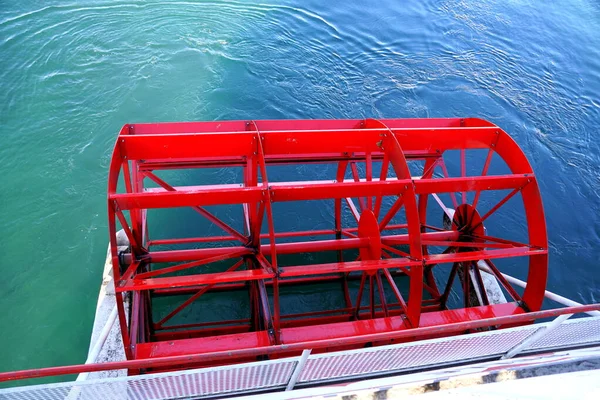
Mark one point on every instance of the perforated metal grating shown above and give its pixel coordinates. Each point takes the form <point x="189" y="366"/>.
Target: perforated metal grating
<point x="411" y="355"/>
<point x="172" y="385"/>
<point x="252" y="377"/>
<point x="570" y="333"/>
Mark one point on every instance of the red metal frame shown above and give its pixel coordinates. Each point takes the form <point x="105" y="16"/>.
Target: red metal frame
<point x="373" y="187"/>
<point x="380" y="233"/>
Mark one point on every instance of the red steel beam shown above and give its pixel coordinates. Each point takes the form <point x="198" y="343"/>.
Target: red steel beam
<point x="343" y="267"/>
<point x="239" y="195"/>
<point x="283" y="282"/>
<point x="289" y="248"/>
<point x="151" y="147"/>
<point x="314" y="191"/>
<point x="218" y="162"/>
<point x="315" y="124"/>
<point x="482" y="255"/>
<point x="282" y="248"/>
<point x="298" y="142"/>
<point x="194" y="280"/>
<point x="160" y="242"/>
<point x="321" y="232"/>
<point x="471" y="183"/>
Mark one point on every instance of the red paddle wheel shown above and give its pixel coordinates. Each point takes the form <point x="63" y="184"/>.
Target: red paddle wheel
<point x="384" y="188"/>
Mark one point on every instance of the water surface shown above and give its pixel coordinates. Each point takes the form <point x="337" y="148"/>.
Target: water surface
<point x="72" y="73"/>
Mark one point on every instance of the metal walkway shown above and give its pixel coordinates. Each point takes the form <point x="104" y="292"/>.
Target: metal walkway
<point x="277" y="375"/>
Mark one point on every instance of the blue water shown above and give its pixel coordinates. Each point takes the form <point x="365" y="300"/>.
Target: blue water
<point x="72" y="73"/>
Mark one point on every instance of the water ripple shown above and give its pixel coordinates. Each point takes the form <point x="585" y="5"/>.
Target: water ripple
<point x="73" y="73"/>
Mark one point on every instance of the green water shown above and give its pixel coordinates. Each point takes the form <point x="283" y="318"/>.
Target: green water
<point x="72" y="73"/>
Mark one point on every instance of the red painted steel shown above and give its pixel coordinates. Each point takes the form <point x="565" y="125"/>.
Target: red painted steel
<point x="390" y="258"/>
<point x="382" y="255"/>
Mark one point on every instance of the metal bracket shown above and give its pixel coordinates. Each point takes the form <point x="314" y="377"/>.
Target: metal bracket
<point x="299" y="366"/>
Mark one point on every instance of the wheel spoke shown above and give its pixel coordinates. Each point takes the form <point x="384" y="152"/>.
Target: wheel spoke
<point x="391" y="212"/>
<point x="341" y="170"/>
<point x="346" y="290"/>
<point x="498" y="240"/>
<point x="448" y="287"/>
<point x="396" y="291"/>
<point x="482" y="291"/>
<point x="194" y="297"/>
<point x="395" y="251"/>
<point x="434" y="228"/>
<point x="497" y="206"/>
<point x="369" y="177"/>
<point x="509" y="288"/>
<point x="381" y="294"/>
<point x="428" y="173"/>
<point x="353" y="209"/>
<point x="356" y="177"/>
<point x="477" y="245"/>
<point x="486" y="166"/>
<point x="200" y="210"/>
<point x="442" y="205"/>
<point x="463" y="172"/>
<point x="192" y="264"/>
<point x="382" y="177"/>
<point x="349" y="234"/>
<point x="466" y="284"/>
<point x="446" y="175"/>
<point x="361" y="288"/>
<point x="372" y="296"/>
